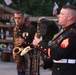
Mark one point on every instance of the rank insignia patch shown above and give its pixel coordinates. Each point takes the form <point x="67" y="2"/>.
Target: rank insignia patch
<point x="65" y="43"/>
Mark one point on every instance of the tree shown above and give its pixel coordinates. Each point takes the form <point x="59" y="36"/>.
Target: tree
<point x="37" y="7"/>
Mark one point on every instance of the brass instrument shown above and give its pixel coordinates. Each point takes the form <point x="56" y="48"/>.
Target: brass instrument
<point x="25" y="50"/>
<point x="39" y="32"/>
<point x="36" y="54"/>
<point x="17" y="50"/>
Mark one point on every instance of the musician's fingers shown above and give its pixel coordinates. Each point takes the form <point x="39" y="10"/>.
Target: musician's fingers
<point x="41" y="63"/>
<point x="35" y="35"/>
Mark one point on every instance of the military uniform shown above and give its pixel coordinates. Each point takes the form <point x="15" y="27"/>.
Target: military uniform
<point x="26" y="32"/>
<point x="49" y="61"/>
<point x="62" y="50"/>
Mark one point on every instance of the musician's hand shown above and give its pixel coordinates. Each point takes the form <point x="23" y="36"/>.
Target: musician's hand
<point x="13" y="55"/>
<point x="36" y="40"/>
<point x="19" y="41"/>
<point x="41" y="63"/>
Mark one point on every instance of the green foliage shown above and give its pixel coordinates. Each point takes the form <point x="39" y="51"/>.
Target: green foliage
<point x="37" y="7"/>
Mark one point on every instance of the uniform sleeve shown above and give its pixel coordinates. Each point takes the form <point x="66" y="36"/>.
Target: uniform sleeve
<point x="43" y="47"/>
<point x="66" y="48"/>
<point x="48" y="63"/>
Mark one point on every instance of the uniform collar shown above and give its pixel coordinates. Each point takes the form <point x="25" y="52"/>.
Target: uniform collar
<point x="24" y="24"/>
<point x="71" y="26"/>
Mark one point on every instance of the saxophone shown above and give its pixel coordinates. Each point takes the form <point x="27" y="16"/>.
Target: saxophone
<point x="35" y="69"/>
<point x="36" y="55"/>
<point x="17" y="50"/>
<point x="41" y="30"/>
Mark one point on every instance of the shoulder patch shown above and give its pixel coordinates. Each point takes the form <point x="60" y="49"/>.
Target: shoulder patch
<point x="65" y="43"/>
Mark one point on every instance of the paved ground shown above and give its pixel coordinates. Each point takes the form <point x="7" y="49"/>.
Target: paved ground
<point x="9" y="68"/>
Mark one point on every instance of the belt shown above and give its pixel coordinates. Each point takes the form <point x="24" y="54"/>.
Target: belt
<point x="70" y="61"/>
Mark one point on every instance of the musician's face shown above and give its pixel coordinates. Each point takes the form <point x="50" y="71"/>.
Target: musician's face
<point x="19" y="19"/>
<point x="63" y="17"/>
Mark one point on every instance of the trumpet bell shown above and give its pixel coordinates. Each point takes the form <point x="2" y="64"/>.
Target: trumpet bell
<point x="25" y="50"/>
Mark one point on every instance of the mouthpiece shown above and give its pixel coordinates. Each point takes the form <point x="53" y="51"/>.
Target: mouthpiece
<point x="25" y="50"/>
